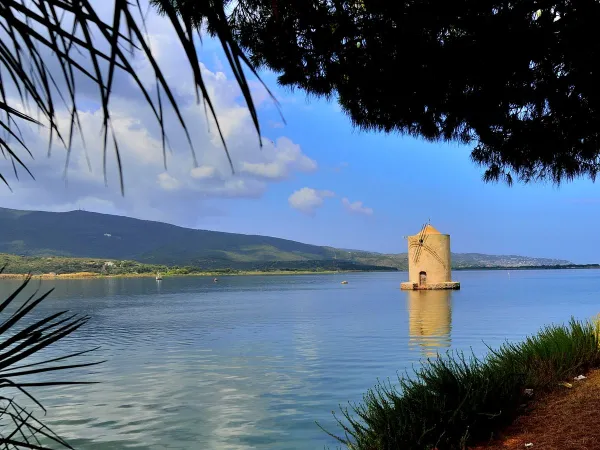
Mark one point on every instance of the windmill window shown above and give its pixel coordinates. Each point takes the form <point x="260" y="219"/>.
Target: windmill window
<point x="422" y="278"/>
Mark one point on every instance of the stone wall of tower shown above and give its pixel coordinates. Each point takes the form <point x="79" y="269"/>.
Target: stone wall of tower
<point x="434" y="258"/>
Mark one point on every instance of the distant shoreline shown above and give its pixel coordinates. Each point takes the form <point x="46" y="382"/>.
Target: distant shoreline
<point x="557" y="267"/>
<point x="94" y="275"/>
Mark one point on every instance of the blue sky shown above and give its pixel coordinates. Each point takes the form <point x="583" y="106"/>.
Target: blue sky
<point x="321" y="182"/>
<point x="407" y="181"/>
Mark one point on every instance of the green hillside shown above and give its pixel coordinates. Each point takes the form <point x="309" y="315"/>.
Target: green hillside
<point x="93" y="235"/>
<point x="81" y="234"/>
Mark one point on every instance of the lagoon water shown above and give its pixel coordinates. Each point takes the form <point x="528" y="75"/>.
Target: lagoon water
<point x="252" y="362"/>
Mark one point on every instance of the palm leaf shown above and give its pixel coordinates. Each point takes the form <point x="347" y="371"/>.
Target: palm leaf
<point x="20" y="338"/>
<point x="71" y="31"/>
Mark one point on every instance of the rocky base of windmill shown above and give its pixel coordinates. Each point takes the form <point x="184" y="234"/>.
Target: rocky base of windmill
<point x="410" y="286"/>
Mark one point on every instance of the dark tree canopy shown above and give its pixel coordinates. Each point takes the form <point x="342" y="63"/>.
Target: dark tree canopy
<point x="515" y="79"/>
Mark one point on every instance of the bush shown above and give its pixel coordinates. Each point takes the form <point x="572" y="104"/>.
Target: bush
<point x="453" y="401"/>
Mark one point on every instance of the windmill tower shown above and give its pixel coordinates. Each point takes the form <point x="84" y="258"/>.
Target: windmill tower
<point x="429" y="261"/>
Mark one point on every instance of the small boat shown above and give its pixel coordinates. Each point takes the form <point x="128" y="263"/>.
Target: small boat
<point x="344" y="282"/>
<point x="215" y="280"/>
<point x="158" y="276"/>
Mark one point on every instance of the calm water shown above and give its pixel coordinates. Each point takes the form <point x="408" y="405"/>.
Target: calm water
<point x="252" y="362"/>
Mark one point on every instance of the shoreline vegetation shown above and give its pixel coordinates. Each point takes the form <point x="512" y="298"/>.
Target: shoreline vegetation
<point x="456" y="402"/>
<point x="51" y="267"/>
<point x="88" y="275"/>
<point x="225" y="272"/>
<point x="60" y="267"/>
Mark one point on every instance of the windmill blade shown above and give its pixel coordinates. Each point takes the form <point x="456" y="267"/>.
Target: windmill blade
<point x="419" y="249"/>
<point x="423" y="230"/>
<point x="423" y="246"/>
<point x="416" y="254"/>
<point x="425" y="235"/>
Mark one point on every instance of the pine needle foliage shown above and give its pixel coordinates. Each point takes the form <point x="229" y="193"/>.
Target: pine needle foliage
<point x="515" y="80"/>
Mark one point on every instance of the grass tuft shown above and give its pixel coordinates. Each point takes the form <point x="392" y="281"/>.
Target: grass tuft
<point x="457" y="400"/>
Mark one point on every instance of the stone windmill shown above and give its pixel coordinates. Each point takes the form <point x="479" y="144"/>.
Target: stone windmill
<point x="429" y="261"/>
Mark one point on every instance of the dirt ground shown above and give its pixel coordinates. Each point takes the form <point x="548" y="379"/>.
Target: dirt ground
<point x="567" y="419"/>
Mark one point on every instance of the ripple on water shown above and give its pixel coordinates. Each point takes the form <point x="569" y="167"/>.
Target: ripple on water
<point x="252" y="362"/>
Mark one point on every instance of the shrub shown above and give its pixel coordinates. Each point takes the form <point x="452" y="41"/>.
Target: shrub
<point x="453" y="401"/>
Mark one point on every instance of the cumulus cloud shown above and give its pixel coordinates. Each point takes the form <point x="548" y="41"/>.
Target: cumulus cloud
<point x="191" y="185"/>
<point x="203" y="172"/>
<point x="307" y="200"/>
<point x="167" y="182"/>
<point x="356" y="207"/>
<point x="280" y="159"/>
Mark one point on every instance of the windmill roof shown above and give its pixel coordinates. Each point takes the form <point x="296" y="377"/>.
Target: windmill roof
<point x="428" y="230"/>
<point x="431" y="230"/>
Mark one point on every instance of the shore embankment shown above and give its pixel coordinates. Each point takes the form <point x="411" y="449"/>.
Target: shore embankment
<point x="458" y="401"/>
<point x="564" y="419"/>
<point x="88" y="275"/>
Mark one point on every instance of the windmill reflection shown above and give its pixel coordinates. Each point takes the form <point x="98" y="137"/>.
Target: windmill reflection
<point x="430" y="320"/>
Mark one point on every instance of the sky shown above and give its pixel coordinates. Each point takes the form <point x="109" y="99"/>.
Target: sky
<point x="317" y="179"/>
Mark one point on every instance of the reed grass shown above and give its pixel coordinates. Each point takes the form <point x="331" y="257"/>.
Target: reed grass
<point x="454" y="401"/>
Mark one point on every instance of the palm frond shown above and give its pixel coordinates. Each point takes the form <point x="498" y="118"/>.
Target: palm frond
<point x="20" y="338"/>
<point x="69" y="32"/>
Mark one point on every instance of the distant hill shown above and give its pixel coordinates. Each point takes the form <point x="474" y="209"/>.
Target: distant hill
<point x="465" y="260"/>
<point x="459" y="260"/>
<point x="78" y="234"/>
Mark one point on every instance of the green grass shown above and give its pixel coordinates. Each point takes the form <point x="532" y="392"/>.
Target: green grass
<point x="454" y="401"/>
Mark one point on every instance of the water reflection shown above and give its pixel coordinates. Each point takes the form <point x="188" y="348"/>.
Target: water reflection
<point x="430" y="320"/>
<point x="253" y="362"/>
<point x="111" y="286"/>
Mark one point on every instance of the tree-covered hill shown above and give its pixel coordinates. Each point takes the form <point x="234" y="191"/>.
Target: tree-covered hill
<point x="81" y="234"/>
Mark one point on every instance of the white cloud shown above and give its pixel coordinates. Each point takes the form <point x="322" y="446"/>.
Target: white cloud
<point x="279" y="160"/>
<point x="307" y="200"/>
<point x="203" y="172"/>
<point x="167" y="182"/>
<point x="183" y="191"/>
<point x="356" y="207"/>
